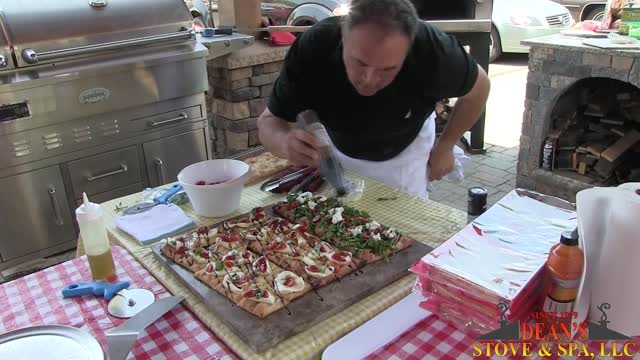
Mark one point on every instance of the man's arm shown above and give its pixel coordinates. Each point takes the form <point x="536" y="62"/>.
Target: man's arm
<point x="282" y="139"/>
<point x="464" y="115"/>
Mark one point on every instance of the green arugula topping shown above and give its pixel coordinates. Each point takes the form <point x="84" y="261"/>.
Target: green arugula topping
<point x="219" y="265"/>
<point x="378" y="247"/>
<point x="302" y="211"/>
<point x="351" y="212"/>
<point x="292" y="197"/>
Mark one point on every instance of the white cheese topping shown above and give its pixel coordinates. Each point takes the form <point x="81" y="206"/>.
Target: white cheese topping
<point x="344" y="256"/>
<point x="324" y="271"/>
<point x="283" y="277"/>
<point x="336" y="215"/>
<point x="256" y="265"/>
<point x="356" y="230"/>
<point x="390" y="233"/>
<point x="304" y="197"/>
<point x="373" y="225"/>
<point x="213" y="232"/>
<point x="312" y="204"/>
<point x="227" y="282"/>
<point x="270" y="299"/>
<point x="376" y="237"/>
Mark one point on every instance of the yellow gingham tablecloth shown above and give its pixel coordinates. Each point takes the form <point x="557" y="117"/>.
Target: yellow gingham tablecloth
<point x="425" y="221"/>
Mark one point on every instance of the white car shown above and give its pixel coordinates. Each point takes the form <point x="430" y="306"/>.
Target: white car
<point x="518" y="20"/>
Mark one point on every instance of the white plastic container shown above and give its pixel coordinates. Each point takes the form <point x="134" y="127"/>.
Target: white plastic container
<point x="95" y="240"/>
<point x="215" y="200"/>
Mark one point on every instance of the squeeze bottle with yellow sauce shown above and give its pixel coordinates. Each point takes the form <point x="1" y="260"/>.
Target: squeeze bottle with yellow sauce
<point x="95" y="240"/>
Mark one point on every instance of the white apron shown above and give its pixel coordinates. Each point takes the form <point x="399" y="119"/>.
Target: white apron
<point x="407" y="171"/>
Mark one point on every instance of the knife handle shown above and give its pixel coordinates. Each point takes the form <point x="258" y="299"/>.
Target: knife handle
<point x="164" y="198"/>
<point x="108" y="290"/>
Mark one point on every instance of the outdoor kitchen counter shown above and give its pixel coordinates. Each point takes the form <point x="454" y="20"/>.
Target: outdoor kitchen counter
<point x="425" y="221"/>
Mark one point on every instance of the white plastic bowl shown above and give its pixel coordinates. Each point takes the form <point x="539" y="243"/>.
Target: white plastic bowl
<point x="215" y="200"/>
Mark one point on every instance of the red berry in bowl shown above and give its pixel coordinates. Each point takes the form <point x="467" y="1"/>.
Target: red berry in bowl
<point x="201" y="182"/>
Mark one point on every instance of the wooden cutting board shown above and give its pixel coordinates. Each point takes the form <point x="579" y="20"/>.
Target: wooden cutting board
<point x="262" y="334"/>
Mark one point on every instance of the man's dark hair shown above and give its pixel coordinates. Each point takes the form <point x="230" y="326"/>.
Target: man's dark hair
<point x="393" y="15"/>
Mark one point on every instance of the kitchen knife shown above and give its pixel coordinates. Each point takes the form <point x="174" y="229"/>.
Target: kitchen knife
<point x="165" y="198"/>
<point x="121" y="339"/>
<point x="329" y="165"/>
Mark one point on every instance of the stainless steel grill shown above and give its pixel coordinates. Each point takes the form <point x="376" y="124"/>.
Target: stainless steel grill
<point x="559" y="21"/>
<point x="105" y="97"/>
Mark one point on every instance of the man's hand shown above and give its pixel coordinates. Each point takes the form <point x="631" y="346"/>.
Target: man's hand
<point x="284" y="140"/>
<point x="441" y="161"/>
<point x="302" y="147"/>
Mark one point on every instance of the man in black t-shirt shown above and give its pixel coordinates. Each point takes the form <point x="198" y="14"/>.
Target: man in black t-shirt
<point x="374" y="76"/>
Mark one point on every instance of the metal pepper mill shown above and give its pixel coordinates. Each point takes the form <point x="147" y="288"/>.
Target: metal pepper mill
<point x="476" y="203"/>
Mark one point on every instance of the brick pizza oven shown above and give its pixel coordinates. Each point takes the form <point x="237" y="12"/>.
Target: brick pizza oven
<point x="584" y="103"/>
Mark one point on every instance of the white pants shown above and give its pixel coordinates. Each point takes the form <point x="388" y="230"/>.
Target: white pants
<point x="408" y="171"/>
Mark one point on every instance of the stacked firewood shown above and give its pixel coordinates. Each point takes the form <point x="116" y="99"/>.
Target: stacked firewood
<point x="600" y="140"/>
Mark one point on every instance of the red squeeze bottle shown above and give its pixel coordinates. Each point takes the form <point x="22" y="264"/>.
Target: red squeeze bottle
<point x="563" y="271"/>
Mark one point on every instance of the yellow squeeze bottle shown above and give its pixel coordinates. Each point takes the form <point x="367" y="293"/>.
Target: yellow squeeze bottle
<point x="95" y="240"/>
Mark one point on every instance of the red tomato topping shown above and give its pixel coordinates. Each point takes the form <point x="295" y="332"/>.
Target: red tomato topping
<point x="246" y="255"/>
<point x="209" y="268"/>
<point x="205" y="255"/>
<point x="289" y="282"/>
<point x="229" y="258"/>
<point x="265" y="294"/>
<point x="294" y="204"/>
<point x="313" y="268"/>
<point x="262" y="266"/>
<point x="366" y="237"/>
<point x="249" y="294"/>
<point x="230" y="238"/>
<point x="181" y="250"/>
<point x="277" y="246"/>
<point x="242" y="281"/>
<point x="377" y="230"/>
<point x="338" y="258"/>
<point x="229" y="264"/>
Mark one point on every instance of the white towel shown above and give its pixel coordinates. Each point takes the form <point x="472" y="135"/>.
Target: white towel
<point x="155" y="224"/>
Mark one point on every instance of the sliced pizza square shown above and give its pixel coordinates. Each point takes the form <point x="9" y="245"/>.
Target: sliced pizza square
<point x="259" y="287"/>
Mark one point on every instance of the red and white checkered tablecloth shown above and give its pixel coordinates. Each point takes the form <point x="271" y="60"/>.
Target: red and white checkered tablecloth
<point x="434" y="338"/>
<point x="36" y="299"/>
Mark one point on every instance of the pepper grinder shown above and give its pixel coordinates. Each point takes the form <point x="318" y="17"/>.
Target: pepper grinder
<point x="476" y="203"/>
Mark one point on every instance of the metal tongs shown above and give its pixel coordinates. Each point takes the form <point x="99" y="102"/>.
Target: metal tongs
<point x="272" y="184"/>
<point x="329" y="165"/>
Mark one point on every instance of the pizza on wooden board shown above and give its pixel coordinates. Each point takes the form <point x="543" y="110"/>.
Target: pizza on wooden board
<point x="262" y="263"/>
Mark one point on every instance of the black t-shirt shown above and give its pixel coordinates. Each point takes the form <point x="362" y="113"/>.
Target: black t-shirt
<point x="376" y="127"/>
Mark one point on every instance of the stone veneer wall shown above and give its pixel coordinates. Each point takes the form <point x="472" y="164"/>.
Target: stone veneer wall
<point x="552" y="70"/>
<point x="240" y="85"/>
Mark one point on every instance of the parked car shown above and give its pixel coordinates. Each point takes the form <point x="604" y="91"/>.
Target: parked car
<point x="582" y="10"/>
<point x="518" y="20"/>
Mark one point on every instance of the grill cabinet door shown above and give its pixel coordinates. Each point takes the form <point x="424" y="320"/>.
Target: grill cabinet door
<point x="165" y="158"/>
<point x="35" y="213"/>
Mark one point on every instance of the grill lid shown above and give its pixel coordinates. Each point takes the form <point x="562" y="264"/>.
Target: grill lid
<point x="46" y="31"/>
